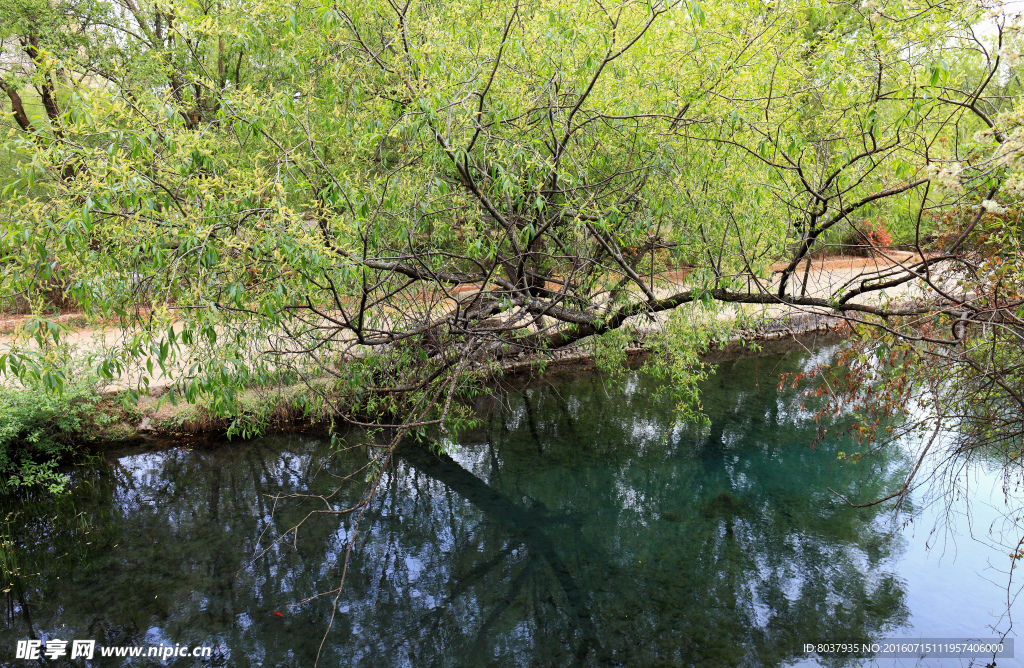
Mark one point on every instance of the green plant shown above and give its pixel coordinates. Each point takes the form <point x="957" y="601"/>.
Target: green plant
<point x="40" y="428"/>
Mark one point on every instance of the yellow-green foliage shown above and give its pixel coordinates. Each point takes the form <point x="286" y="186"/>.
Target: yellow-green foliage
<point x="234" y="166"/>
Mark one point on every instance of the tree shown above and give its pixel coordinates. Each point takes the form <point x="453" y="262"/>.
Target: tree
<point x="390" y="201"/>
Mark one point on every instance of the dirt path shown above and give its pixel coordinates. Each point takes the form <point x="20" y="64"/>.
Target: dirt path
<point x="823" y="278"/>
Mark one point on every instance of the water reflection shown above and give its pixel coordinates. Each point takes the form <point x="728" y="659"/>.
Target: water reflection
<point x="583" y="525"/>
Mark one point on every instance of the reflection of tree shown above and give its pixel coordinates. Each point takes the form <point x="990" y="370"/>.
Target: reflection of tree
<point x="719" y="544"/>
<point x="591" y="528"/>
<point x="158" y="541"/>
<point x="524" y="526"/>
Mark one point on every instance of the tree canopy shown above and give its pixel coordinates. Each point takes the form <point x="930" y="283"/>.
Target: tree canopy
<point x="390" y="200"/>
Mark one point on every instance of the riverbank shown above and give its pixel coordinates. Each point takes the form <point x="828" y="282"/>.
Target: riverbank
<point x="779" y="328"/>
<point x="289" y="409"/>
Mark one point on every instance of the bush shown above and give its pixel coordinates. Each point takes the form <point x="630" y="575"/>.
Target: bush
<point x="867" y="236"/>
<point x="38" y="429"/>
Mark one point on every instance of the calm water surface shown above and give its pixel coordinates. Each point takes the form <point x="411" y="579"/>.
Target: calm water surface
<point x="583" y="525"/>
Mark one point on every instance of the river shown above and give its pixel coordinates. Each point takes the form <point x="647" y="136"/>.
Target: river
<point x="582" y="524"/>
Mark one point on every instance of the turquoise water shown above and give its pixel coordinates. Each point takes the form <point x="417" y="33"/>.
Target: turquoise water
<point x="581" y="525"/>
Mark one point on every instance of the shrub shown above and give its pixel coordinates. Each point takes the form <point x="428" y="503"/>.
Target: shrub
<point x="867" y="236"/>
<point x="38" y="429"/>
